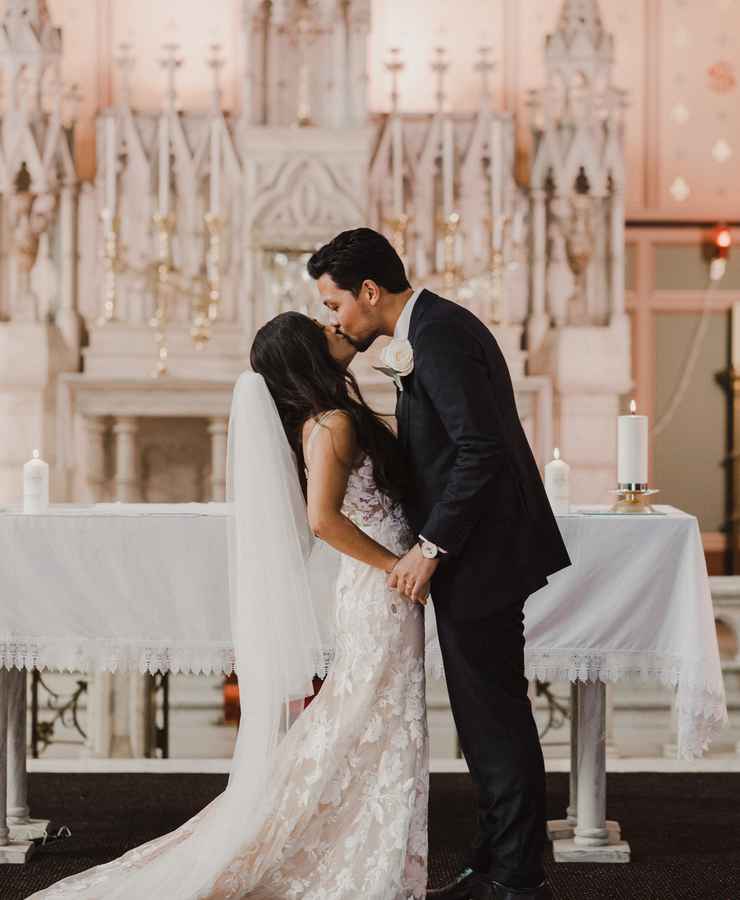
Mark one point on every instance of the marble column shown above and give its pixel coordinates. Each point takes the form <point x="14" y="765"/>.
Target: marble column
<point x="126" y="479"/>
<point x="592" y="841"/>
<point x="17" y="781"/>
<point x="218" y="428"/>
<point x="22" y="826"/>
<point x="11" y="851"/>
<point x="96" y="428"/>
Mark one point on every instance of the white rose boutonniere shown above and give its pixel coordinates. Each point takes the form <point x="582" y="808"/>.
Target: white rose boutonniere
<point x="398" y="361"/>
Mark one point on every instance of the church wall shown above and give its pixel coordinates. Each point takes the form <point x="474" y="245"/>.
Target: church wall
<point x="694" y="442"/>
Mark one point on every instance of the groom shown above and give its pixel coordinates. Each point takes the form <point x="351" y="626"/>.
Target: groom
<point x="487" y="538"/>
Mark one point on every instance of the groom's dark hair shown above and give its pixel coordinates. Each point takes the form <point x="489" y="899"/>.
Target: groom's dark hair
<point x="355" y="255"/>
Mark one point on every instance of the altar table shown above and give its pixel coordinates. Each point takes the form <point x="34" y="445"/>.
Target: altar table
<point x="143" y="587"/>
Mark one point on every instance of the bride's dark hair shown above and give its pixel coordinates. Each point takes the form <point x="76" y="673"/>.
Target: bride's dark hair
<point x="292" y="355"/>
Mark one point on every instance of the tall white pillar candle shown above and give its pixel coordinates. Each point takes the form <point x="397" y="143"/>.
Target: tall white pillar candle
<point x="497" y="182"/>
<point x="110" y="166"/>
<point x="632" y="448"/>
<point x="164" y="165"/>
<point x="35" y="485"/>
<point x="448" y="167"/>
<point x="557" y="484"/>
<point x="397" y="165"/>
<point x="215" y="185"/>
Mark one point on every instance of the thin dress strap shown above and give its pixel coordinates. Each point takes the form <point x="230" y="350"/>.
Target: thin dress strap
<point x="319" y="422"/>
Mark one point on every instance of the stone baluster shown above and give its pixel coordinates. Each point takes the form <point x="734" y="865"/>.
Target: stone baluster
<point x="218" y="429"/>
<point x="127" y="480"/>
<point x="67" y="317"/>
<point x="96" y="427"/>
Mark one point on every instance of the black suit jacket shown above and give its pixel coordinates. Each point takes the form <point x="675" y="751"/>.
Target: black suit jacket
<point x="475" y="488"/>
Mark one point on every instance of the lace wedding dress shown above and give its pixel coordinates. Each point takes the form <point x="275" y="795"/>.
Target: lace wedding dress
<point x="350" y="781"/>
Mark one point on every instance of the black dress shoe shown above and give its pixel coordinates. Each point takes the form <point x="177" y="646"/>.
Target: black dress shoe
<point x="492" y="890"/>
<point x="460" y="888"/>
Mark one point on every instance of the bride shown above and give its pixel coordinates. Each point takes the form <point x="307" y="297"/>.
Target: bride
<point x="333" y="807"/>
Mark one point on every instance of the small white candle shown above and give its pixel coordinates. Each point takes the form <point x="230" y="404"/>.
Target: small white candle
<point x="397" y="165"/>
<point x="110" y="165"/>
<point x="632" y="448"/>
<point x="35" y="485"/>
<point x="557" y="484"/>
<point x="164" y="165"/>
<point x="448" y="167"/>
<point x="215" y="199"/>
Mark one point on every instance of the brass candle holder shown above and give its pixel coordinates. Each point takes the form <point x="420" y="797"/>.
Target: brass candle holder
<point x="633" y="499"/>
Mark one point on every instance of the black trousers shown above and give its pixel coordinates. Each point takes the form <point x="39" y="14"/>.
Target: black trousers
<point x="484" y="668"/>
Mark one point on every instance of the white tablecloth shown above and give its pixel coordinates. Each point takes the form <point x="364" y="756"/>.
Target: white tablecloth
<point x="144" y="587"/>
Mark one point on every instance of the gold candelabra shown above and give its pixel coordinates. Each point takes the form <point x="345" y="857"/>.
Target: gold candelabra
<point x="450" y="227"/>
<point x="204" y="291"/>
<point x="399" y="228"/>
<point x="159" y="320"/>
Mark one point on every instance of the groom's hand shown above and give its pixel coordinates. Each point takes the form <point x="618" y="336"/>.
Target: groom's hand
<point x="412" y="574"/>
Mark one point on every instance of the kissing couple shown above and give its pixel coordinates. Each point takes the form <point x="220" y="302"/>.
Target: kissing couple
<point x="333" y="806"/>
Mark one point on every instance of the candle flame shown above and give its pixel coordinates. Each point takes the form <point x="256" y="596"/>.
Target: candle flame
<point x="35" y="454"/>
<point x="633" y="407"/>
<point x="556" y="453"/>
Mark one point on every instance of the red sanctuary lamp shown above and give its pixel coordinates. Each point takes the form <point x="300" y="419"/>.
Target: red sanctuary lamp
<point x="721" y="241"/>
<point x="232" y="708"/>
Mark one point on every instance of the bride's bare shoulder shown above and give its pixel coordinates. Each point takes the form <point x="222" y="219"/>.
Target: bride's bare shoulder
<point x="331" y="432"/>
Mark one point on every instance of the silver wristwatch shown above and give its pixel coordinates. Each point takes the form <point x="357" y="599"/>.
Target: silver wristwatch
<point x="428" y="549"/>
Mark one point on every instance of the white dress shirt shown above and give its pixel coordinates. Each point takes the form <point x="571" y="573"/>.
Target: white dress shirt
<point x="401" y="331"/>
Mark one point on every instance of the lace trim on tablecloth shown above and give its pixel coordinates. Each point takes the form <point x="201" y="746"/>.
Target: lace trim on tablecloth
<point x="700" y="698"/>
<point x="83" y="655"/>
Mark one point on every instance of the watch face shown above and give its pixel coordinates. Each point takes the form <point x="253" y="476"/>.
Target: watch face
<point x="428" y="550"/>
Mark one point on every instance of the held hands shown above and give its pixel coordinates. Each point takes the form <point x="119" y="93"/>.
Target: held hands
<point x="412" y="574"/>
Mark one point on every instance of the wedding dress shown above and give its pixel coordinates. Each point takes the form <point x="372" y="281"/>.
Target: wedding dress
<point x="345" y="815"/>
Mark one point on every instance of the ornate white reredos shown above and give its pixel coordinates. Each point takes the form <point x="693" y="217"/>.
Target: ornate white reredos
<point x="299" y="197"/>
<point x="244" y="197"/>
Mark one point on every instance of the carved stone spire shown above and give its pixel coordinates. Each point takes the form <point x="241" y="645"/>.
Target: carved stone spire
<point x="29" y="46"/>
<point x="580" y="15"/>
<point x="580" y="51"/>
<point x="35" y="12"/>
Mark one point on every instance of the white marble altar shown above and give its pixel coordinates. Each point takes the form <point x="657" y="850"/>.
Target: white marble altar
<point x="142" y="609"/>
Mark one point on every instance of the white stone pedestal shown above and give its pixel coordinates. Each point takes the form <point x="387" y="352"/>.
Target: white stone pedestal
<point x="586" y="836"/>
